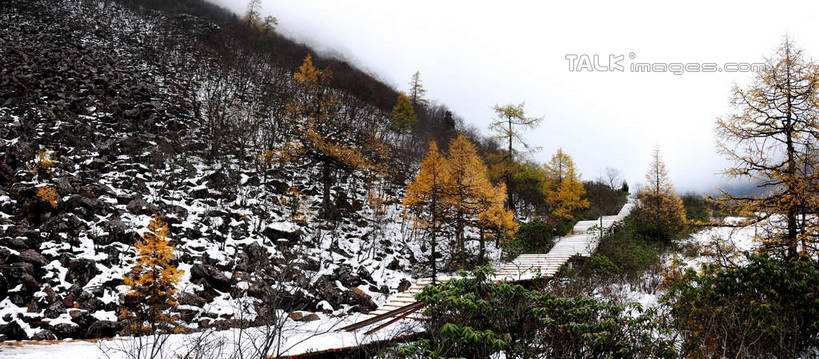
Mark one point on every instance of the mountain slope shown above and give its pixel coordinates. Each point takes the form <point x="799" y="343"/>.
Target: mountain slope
<point x="121" y="101"/>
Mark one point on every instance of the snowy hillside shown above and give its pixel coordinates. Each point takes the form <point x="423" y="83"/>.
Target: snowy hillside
<point x="82" y="85"/>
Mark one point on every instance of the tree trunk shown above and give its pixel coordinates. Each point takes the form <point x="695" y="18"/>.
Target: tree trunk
<point x="433" y="244"/>
<point x="326" y="204"/>
<point x="509" y="200"/>
<point x="482" y="247"/>
<point x="791" y="171"/>
<point x="459" y="237"/>
<point x="433" y="241"/>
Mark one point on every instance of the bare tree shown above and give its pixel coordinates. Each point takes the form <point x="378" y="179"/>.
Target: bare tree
<point x="613" y="177"/>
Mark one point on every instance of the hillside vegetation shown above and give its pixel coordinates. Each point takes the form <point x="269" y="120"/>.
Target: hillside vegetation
<point x="281" y="175"/>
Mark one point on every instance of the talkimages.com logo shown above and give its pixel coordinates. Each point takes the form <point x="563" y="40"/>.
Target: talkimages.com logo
<point x="618" y="63"/>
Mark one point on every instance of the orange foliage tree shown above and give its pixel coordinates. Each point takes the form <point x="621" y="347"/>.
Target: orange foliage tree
<point x="664" y="210"/>
<point x="454" y="192"/>
<point x="493" y="217"/>
<point x="322" y="137"/>
<point x="772" y="140"/>
<point x="426" y="198"/>
<point x="152" y="284"/>
<point x="562" y="188"/>
<point x="48" y="194"/>
<point x="470" y="194"/>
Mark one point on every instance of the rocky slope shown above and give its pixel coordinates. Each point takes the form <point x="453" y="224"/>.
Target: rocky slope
<point x="81" y="85"/>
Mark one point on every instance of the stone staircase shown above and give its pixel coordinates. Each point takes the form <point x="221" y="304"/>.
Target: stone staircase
<point x="580" y="241"/>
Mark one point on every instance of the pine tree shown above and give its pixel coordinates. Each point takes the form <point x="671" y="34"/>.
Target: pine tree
<point x="152" y="283"/>
<point x="417" y="91"/>
<point x="771" y="141"/>
<point x="323" y="138"/>
<point x="511" y="119"/>
<point x="664" y="210"/>
<point x="426" y="197"/>
<point x="403" y="116"/>
<point x="563" y="189"/>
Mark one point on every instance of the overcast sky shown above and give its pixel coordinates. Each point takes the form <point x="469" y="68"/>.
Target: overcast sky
<point x="474" y="54"/>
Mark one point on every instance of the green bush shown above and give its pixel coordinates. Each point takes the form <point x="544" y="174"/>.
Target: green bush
<point x="562" y="228"/>
<point x="696" y="208"/>
<point x="533" y="236"/>
<point x="602" y="200"/>
<point x="476" y="317"/>
<point x="624" y="253"/>
<point x="665" y="227"/>
<point x="602" y="266"/>
<point x="767" y="308"/>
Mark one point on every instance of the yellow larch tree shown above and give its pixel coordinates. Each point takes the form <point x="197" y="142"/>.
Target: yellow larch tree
<point x="493" y="217"/>
<point x="152" y="282"/>
<point x="48" y="194"/>
<point x="562" y="189"/>
<point x="322" y="137"/>
<point x="426" y="199"/>
<point x="771" y="140"/>
<point x="468" y="177"/>
<point x="664" y="210"/>
<point x="45" y="160"/>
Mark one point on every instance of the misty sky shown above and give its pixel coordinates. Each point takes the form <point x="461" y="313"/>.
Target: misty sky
<point x="475" y="54"/>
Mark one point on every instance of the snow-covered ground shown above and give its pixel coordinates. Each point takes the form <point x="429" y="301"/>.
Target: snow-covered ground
<point x="297" y="337"/>
<point x="708" y="245"/>
<point x="724" y="244"/>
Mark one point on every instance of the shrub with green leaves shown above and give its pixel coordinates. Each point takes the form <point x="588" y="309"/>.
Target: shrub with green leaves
<point x="533" y="236"/>
<point x="476" y="317"/>
<point x="696" y="208"/>
<point x="622" y="252"/>
<point x="602" y="266"/>
<point x="767" y="308"/>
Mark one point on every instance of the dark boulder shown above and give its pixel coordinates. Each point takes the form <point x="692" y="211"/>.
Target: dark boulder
<point x="361" y="300"/>
<point x="13" y="331"/>
<point x="6" y="256"/>
<point x="327" y="290"/>
<point x="66" y="330"/>
<point x="212" y="275"/>
<point x="347" y="277"/>
<point x="4" y="286"/>
<point x="31" y="256"/>
<point x="275" y="234"/>
<point x="81" y="270"/>
<point x="103" y="329"/>
<point x="15" y="270"/>
<point x="403" y="285"/>
<point x="20" y="273"/>
<point x="257" y="256"/>
<point x="118" y="231"/>
<point x="44" y="334"/>
<point x="54" y="310"/>
<point x="139" y="206"/>
<point x="16" y="243"/>
<point x="76" y="201"/>
<point x="187" y="298"/>
<point x="64" y="185"/>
